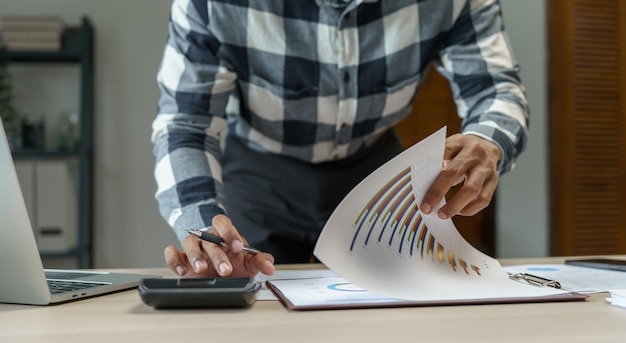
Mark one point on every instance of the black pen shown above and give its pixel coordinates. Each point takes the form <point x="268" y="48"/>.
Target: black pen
<point x="206" y="236"/>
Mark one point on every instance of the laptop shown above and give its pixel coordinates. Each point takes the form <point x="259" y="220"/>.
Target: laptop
<point x="23" y="280"/>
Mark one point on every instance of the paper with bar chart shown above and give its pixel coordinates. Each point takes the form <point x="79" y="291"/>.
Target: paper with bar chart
<point x="379" y="239"/>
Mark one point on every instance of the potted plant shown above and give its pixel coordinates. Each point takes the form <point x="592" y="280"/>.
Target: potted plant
<point x="9" y="116"/>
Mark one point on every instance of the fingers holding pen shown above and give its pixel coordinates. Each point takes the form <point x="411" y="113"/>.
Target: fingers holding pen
<point x="245" y="262"/>
<point x="227" y="262"/>
<point x="252" y="261"/>
<point x="206" y="253"/>
<point x="227" y="252"/>
<point x="223" y="227"/>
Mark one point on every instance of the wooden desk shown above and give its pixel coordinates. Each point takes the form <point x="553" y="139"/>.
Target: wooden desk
<point x="122" y="317"/>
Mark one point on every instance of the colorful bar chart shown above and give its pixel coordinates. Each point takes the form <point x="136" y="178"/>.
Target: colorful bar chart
<point x="392" y="217"/>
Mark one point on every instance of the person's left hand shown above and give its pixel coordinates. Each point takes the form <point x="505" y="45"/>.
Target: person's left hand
<point x="473" y="161"/>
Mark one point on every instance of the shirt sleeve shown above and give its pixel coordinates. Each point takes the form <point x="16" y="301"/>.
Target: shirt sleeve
<point x="478" y="61"/>
<point x="194" y="88"/>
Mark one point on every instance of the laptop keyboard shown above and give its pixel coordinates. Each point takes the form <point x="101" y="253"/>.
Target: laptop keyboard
<point x="62" y="286"/>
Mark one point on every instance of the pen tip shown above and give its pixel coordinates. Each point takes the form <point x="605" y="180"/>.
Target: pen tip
<point x="193" y="232"/>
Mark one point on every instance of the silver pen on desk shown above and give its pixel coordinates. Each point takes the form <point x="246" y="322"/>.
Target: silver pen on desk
<point x="206" y="236"/>
<point x="535" y="280"/>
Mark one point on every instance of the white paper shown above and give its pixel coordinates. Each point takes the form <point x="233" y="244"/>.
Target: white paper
<point x="575" y="278"/>
<point x="328" y="291"/>
<point x="618" y="298"/>
<point x="266" y="294"/>
<point x="378" y="239"/>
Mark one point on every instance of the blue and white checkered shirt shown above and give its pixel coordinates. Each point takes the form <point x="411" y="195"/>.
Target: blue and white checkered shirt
<point x="316" y="80"/>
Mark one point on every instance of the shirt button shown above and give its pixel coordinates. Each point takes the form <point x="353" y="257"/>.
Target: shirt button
<point x="346" y="77"/>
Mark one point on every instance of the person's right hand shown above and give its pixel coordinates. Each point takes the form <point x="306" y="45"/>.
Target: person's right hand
<point x="204" y="259"/>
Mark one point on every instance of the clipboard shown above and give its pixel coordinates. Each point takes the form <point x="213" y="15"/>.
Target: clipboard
<point x="313" y="294"/>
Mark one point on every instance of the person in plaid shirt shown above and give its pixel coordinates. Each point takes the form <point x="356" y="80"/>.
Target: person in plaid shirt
<point x="272" y="111"/>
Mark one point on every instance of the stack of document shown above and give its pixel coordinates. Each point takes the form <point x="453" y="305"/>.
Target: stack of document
<point x="618" y="298"/>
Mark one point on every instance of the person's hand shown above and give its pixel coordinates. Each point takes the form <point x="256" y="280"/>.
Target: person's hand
<point x="473" y="161"/>
<point x="205" y="259"/>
